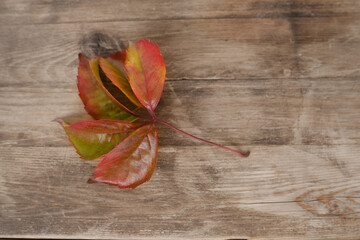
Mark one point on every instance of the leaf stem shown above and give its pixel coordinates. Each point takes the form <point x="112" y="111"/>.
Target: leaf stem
<point x="202" y="140"/>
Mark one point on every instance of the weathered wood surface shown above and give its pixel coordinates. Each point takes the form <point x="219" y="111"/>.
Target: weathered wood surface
<point x="279" y="78"/>
<point x="67" y="11"/>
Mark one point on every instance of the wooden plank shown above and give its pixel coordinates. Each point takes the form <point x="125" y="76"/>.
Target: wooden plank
<point x="280" y="192"/>
<point x="40" y="12"/>
<point x="267" y="112"/>
<point x="215" y="49"/>
<point x="320" y="8"/>
<point x="19" y="12"/>
<point x="328" y="46"/>
<point x="301" y="180"/>
<point x="212" y="49"/>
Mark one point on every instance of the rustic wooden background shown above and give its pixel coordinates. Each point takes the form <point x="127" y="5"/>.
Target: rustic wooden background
<point x="280" y="78"/>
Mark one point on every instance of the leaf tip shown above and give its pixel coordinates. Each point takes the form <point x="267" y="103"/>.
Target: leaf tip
<point x="244" y="154"/>
<point x="58" y="120"/>
<point x="61" y="122"/>
<point x="91" y="181"/>
<point x="80" y="55"/>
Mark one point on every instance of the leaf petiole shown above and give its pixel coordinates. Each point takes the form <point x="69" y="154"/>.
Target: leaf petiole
<point x="202" y="140"/>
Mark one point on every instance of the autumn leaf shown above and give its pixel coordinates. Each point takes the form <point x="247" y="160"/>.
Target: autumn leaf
<point x="129" y="150"/>
<point x="145" y="69"/>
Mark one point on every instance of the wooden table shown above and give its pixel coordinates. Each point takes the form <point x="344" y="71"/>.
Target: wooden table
<point x="280" y="78"/>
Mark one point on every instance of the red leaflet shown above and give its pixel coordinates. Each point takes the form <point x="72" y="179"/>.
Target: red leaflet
<point x="132" y="162"/>
<point x="94" y="66"/>
<point x="145" y="68"/>
<point x="97" y="102"/>
<point x="129" y="150"/>
<point x="119" y="80"/>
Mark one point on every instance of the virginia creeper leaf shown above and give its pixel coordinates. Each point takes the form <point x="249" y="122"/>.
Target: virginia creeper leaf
<point x="94" y="138"/>
<point x="132" y="162"/>
<point x="97" y="103"/>
<point x="145" y="69"/>
<point x="119" y="80"/>
<point x="129" y="149"/>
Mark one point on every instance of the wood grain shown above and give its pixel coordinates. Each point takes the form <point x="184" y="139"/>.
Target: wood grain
<point x="195" y="192"/>
<point x="215" y="49"/>
<point x="211" y="51"/>
<point x="20" y="12"/>
<point x="308" y="133"/>
<point x="328" y="46"/>
<point x="267" y="112"/>
<point x="277" y="77"/>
